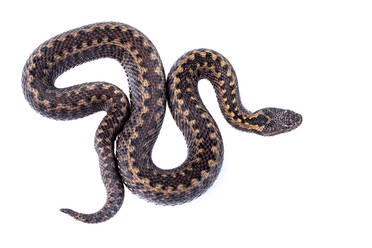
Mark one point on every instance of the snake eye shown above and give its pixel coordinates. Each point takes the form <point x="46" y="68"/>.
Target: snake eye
<point x="286" y="118"/>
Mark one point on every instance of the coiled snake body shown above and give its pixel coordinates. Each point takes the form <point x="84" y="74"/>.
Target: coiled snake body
<point x="135" y="125"/>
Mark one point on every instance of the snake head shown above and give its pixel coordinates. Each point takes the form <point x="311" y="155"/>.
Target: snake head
<point x="279" y="121"/>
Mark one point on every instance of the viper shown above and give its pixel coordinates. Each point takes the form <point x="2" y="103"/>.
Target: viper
<point x="134" y="124"/>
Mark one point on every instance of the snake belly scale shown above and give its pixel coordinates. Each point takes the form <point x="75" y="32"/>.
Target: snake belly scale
<point x="134" y="125"/>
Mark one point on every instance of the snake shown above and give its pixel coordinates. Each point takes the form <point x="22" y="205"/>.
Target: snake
<point x="125" y="137"/>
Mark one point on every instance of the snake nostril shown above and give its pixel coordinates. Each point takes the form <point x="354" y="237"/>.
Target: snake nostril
<point x="298" y="119"/>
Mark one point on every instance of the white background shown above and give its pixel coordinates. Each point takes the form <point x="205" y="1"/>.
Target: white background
<point x="311" y="187"/>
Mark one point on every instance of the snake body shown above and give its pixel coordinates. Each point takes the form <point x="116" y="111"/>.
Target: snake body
<point x="134" y="125"/>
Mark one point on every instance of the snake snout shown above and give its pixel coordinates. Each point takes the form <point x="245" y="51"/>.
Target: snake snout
<point x="290" y="119"/>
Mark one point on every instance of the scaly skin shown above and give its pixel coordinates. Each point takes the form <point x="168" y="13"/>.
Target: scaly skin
<point x="135" y="126"/>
